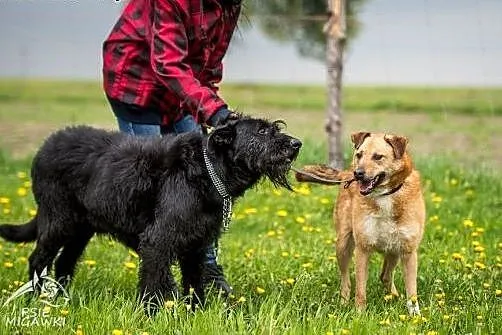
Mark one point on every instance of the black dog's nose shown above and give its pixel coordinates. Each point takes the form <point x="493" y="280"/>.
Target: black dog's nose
<point x="359" y="174"/>
<point x="296" y="144"/>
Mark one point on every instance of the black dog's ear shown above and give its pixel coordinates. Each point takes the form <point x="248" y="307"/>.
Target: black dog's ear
<point x="223" y="135"/>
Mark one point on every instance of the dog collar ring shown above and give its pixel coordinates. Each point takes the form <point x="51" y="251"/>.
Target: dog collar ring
<point x="222" y="191"/>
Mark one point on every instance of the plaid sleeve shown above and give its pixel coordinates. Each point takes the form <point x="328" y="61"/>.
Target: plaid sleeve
<point x="169" y="51"/>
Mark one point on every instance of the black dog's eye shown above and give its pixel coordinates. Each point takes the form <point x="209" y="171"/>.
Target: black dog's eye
<point x="359" y="155"/>
<point x="263" y="131"/>
<point x="377" y="157"/>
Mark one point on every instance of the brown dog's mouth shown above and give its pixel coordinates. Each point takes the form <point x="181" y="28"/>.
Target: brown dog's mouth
<point x="366" y="186"/>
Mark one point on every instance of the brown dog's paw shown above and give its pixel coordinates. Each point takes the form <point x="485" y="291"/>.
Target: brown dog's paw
<point x="322" y="174"/>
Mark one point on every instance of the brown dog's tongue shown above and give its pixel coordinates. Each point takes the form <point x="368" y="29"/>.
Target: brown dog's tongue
<point x="365" y="187"/>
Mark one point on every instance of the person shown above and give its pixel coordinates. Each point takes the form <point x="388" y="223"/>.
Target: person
<point x="162" y="63"/>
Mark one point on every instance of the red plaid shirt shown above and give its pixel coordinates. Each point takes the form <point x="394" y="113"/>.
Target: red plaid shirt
<point x="168" y="55"/>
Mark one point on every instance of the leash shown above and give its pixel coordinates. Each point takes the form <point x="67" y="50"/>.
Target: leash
<point x="347" y="182"/>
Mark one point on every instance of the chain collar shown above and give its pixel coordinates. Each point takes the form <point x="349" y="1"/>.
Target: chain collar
<point x="222" y="191"/>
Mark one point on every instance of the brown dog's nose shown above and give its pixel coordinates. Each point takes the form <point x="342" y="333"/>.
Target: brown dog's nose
<point x="296" y="144"/>
<point x="359" y="174"/>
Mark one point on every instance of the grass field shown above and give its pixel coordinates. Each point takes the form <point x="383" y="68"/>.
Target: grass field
<point x="279" y="252"/>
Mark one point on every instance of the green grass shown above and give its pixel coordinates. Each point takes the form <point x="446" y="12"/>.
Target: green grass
<point x="470" y="101"/>
<point x="282" y="242"/>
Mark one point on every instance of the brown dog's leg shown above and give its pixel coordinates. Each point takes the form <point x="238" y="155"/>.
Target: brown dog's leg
<point x="362" y="258"/>
<point x="344" y="250"/>
<point x="387" y="275"/>
<point x="409" y="261"/>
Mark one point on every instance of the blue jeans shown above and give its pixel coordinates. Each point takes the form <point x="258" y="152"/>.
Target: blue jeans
<point x="184" y="125"/>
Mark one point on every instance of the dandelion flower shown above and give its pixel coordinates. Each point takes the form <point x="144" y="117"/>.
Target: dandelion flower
<point x="277" y="193"/>
<point x="498" y="293"/>
<point x="282" y="213"/>
<point x="285" y="254"/>
<point x="32" y="212"/>
<point x="21" y="175"/>
<point x="446" y="317"/>
<point x="385" y="322"/>
<point x="117" y="332"/>
<point x="260" y="290"/>
<point x="64" y="312"/>
<point x="468" y="223"/>
<point x="432" y="332"/>
<point x="479" y="248"/>
<point x="133" y="254"/>
<point x="402" y="317"/>
<point x="290" y="281"/>
<point x="22" y="192"/>
<point x="169" y="304"/>
<point x="90" y="262"/>
<point x="250" y="211"/>
<point x="307" y="265"/>
<point x="8" y="265"/>
<point x="345" y="331"/>
<point x="480" y="265"/>
<point x="486" y="285"/>
<point x="130" y="265"/>
<point x="388" y="297"/>
<point x="413" y="299"/>
<point x="4" y="200"/>
<point x="300" y="219"/>
<point x="6" y="211"/>
<point x="271" y="233"/>
<point x="437" y="199"/>
<point x="241" y="299"/>
<point x="324" y="201"/>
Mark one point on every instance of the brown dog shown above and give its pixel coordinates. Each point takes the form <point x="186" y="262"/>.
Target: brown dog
<point x="383" y="211"/>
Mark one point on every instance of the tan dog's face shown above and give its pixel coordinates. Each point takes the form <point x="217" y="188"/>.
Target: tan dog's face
<point x="378" y="158"/>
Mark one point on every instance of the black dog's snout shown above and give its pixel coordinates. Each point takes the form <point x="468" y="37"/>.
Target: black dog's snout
<point x="359" y="174"/>
<point x="295" y="143"/>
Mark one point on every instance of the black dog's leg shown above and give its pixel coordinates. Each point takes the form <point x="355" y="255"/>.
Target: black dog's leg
<point x="72" y="250"/>
<point x="156" y="282"/>
<point x="43" y="256"/>
<point x="191" y="271"/>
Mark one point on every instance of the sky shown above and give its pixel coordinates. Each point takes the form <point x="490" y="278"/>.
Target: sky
<point x="410" y="42"/>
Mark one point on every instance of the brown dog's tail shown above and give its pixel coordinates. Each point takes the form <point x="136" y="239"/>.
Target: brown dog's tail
<point x="323" y="174"/>
<point x="20" y="233"/>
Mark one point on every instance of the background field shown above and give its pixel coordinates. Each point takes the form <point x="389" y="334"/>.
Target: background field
<point x="279" y="254"/>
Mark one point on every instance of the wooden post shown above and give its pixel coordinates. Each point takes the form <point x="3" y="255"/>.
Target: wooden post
<point x="335" y="44"/>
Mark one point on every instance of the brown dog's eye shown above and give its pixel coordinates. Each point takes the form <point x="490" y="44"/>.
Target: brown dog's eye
<point x="377" y="157"/>
<point x="359" y="155"/>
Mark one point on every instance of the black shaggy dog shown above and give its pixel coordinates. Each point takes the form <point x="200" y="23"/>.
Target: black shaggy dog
<point x="155" y="195"/>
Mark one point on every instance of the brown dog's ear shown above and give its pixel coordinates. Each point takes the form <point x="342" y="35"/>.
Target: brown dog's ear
<point x="358" y="138"/>
<point x="398" y="144"/>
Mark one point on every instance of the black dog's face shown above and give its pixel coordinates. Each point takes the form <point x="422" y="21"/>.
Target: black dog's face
<point x="259" y="146"/>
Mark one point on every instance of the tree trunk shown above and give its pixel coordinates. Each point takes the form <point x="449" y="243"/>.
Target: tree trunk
<point x="335" y="44"/>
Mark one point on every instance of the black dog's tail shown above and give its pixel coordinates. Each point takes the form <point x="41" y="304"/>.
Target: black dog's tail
<point x="20" y="233"/>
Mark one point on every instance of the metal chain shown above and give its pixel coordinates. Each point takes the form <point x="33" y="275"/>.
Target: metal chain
<point x="222" y="191"/>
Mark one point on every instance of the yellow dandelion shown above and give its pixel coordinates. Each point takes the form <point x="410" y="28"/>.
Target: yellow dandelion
<point x="480" y="230"/>
<point x="453" y="182"/>
<point x="479" y="317"/>
<point x="441" y="303"/>
<point x="146" y="333"/>
<point x="402" y="317"/>
<point x="469" y="193"/>
<point x="79" y="332"/>
<point x="385" y="322"/>
<point x="324" y="201"/>
<point x="300" y="219"/>
<point x="117" y="332"/>
<point x="284" y="254"/>
<point x="23" y="259"/>
<point x="486" y="285"/>
<point x="479" y="248"/>
<point x="330" y="333"/>
<point x="468" y="223"/>
<point x="282" y="213"/>
<point x="500" y="245"/>
<point x="27" y="184"/>
<point x="241" y="299"/>
<point x="8" y="265"/>
<point x="439" y="296"/>
<point x="260" y="290"/>
<point x="18" y="283"/>
<point x="475" y="234"/>
<point x="32" y="212"/>
<point x="4" y="201"/>
<point x="345" y="331"/>
<point x="413" y="299"/>
<point x="21" y="175"/>
<point x="271" y="233"/>
<point x="446" y="317"/>
<point x="307" y="265"/>
<point x="130" y="265"/>
<point x="432" y="332"/>
<point x="132" y="254"/>
<point x="290" y="281"/>
<point x="64" y="312"/>
<point x="332" y="258"/>
<point x="90" y="262"/>
<point x="498" y="293"/>
<point x="297" y="255"/>
<point x="437" y="199"/>
<point x="169" y="304"/>
<point x="6" y="211"/>
<point x="22" y="192"/>
<point x="250" y="211"/>
<point x="475" y="243"/>
<point x="277" y="192"/>
<point x="480" y="265"/>
<point x="46" y="309"/>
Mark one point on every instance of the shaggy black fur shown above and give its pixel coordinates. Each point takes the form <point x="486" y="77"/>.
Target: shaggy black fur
<point x="152" y="194"/>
